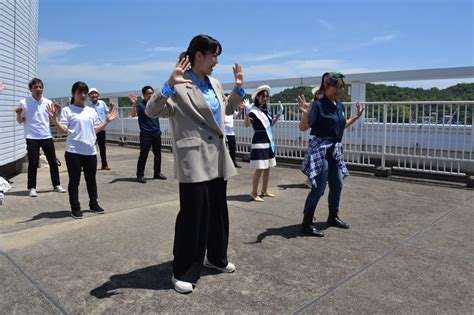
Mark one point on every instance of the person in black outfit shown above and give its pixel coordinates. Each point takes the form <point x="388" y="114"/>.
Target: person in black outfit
<point x="150" y="135"/>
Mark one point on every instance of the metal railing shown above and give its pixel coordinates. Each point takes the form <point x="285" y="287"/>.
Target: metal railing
<point x="431" y="137"/>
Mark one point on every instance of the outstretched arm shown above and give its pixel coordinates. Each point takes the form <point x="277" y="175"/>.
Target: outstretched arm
<point x="110" y="116"/>
<point x="235" y="98"/>
<point x="133" y="99"/>
<point x="19" y="118"/>
<point x="157" y="106"/>
<point x="304" y="107"/>
<point x="359" y="111"/>
<point x="53" y="111"/>
<point x="279" y="113"/>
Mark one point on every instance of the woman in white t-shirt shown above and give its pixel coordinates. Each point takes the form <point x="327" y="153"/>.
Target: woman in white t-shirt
<point x="81" y="124"/>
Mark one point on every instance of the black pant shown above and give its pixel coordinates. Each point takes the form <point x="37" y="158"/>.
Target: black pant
<point x="33" y="146"/>
<point x="101" y="141"/>
<point x="202" y="223"/>
<point x="147" y="141"/>
<point x="75" y="162"/>
<point x="232" y="147"/>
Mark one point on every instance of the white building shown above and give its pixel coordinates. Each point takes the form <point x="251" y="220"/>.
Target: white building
<point x="18" y="64"/>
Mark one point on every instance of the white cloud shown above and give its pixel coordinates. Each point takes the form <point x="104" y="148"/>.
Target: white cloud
<point x="324" y="24"/>
<point x="49" y="48"/>
<point x="163" y="49"/>
<point x="105" y="72"/>
<point x="274" y="55"/>
<point x="293" y="69"/>
<point x="428" y="84"/>
<point x="385" y="38"/>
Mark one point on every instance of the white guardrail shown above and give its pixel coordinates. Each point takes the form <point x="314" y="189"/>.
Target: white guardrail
<point x="431" y="137"/>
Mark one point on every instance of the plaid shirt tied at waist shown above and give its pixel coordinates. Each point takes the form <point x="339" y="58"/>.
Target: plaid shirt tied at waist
<point x="315" y="155"/>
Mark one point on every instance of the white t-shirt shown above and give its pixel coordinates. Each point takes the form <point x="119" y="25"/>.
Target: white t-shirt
<point x="80" y="124"/>
<point x="36" y="124"/>
<point x="229" y="124"/>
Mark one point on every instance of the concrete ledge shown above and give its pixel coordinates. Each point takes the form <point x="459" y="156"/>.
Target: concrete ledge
<point x="382" y="171"/>
<point x="470" y="181"/>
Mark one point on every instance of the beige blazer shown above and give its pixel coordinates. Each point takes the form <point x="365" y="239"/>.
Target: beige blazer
<point x="199" y="144"/>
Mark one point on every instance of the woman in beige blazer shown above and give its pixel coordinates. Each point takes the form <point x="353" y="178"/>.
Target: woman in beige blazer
<point x="196" y="105"/>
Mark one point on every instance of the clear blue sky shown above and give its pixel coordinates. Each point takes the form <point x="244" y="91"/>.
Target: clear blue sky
<point x="123" y="45"/>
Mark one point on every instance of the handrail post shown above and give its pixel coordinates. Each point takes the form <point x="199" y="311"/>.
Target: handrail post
<point x="384" y="143"/>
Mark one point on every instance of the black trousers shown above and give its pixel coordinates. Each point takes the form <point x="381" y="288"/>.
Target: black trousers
<point x="202" y="223"/>
<point x="146" y="142"/>
<point x="75" y="162"/>
<point x="232" y="147"/>
<point x="101" y="140"/>
<point x="33" y="146"/>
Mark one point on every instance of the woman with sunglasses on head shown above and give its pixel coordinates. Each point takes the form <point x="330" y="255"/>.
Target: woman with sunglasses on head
<point x="324" y="161"/>
<point x="81" y="124"/>
<point x="262" y="155"/>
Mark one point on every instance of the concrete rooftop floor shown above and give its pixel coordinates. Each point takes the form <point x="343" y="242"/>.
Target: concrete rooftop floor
<point x="410" y="248"/>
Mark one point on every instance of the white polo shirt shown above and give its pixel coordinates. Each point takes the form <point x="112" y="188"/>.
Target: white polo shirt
<point x="36" y="124"/>
<point x="229" y="124"/>
<point x="80" y="124"/>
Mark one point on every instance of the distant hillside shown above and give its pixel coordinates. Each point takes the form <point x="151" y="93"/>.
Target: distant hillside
<point x="382" y="92"/>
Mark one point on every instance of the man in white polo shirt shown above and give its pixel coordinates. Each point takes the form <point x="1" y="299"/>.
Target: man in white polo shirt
<point x="102" y="110"/>
<point x="32" y="112"/>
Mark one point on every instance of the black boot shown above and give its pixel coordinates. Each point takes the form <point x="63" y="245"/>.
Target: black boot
<point x="308" y="228"/>
<point x="333" y="220"/>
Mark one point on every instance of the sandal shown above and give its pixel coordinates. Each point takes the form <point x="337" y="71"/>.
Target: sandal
<point x="256" y="198"/>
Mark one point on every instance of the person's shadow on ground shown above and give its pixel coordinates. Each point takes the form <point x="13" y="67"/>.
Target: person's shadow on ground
<point x="241" y="198"/>
<point x="288" y="232"/>
<point x="52" y="215"/>
<point x="26" y="192"/>
<point x="124" y="179"/>
<point x="291" y="186"/>
<point x="157" y="277"/>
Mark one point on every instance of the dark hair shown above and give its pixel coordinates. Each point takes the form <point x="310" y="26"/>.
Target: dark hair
<point x="78" y="86"/>
<point x="256" y="101"/>
<point x="329" y="79"/>
<point x="204" y="44"/>
<point x="35" y="81"/>
<point x="146" y="88"/>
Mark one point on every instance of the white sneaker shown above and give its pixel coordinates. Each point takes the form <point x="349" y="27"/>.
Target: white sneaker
<point x="182" y="286"/>
<point x="33" y="192"/>
<point x="59" y="189"/>
<point x="227" y="269"/>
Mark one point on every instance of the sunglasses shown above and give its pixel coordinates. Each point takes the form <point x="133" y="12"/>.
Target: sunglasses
<point x="334" y="78"/>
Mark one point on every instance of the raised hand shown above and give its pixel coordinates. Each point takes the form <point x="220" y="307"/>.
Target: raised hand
<point x="58" y="107"/>
<point x="52" y="110"/>
<point x="359" y="109"/>
<point x="111" y="115"/>
<point x="281" y="109"/>
<point x="238" y="75"/>
<point x="111" y="106"/>
<point x="247" y="106"/>
<point x="303" y="106"/>
<point x="180" y="69"/>
<point x="132" y="98"/>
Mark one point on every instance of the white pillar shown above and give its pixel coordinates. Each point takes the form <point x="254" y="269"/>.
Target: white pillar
<point x="358" y="91"/>
<point x="357" y="94"/>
